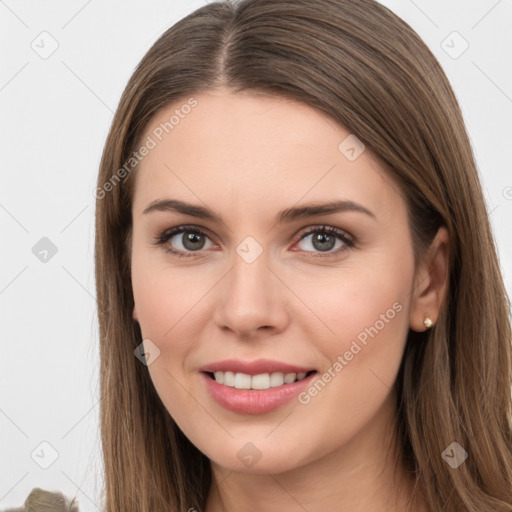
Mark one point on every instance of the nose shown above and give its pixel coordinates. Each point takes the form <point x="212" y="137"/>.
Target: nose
<point x="251" y="299"/>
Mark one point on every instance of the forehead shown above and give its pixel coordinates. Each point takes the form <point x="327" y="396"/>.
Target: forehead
<point x="255" y="150"/>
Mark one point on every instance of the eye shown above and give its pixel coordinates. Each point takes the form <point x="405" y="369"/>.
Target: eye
<point x="324" y="240"/>
<point x="192" y="240"/>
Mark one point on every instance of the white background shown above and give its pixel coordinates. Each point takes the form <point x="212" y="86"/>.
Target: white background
<point x="55" y="114"/>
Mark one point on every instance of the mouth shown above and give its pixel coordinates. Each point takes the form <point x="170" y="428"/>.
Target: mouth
<point x="257" y="382"/>
<point x="255" y="394"/>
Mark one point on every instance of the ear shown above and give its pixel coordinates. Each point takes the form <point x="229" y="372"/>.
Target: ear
<point x="431" y="283"/>
<point x="135" y="316"/>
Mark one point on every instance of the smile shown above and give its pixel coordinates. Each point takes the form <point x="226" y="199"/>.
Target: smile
<point x="262" y="381"/>
<point x="239" y="392"/>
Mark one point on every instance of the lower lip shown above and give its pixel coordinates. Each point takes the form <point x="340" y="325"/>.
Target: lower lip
<point x="254" y="401"/>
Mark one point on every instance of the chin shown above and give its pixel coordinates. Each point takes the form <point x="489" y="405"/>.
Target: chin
<point x="257" y="458"/>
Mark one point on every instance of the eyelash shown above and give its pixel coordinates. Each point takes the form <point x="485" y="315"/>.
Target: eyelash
<point x="161" y="240"/>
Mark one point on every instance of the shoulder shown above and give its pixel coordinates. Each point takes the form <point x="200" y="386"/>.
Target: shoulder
<point x="40" y="500"/>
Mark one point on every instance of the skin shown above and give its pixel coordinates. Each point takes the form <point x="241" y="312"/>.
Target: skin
<point x="247" y="157"/>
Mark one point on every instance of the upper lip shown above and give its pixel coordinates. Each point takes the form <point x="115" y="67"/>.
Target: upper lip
<point x="256" y="367"/>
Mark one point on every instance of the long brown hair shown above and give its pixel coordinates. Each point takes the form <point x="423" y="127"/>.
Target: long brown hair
<point x="367" y="69"/>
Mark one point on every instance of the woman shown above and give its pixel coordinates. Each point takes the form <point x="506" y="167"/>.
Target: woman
<point x="333" y="330"/>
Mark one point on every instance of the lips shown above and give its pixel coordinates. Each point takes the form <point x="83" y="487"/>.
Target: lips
<point x="254" y="401"/>
<point x="238" y="385"/>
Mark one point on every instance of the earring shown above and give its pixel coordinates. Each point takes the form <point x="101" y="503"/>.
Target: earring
<point x="427" y="322"/>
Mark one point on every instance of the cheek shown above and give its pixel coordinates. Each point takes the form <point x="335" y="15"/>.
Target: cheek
<point x="367" y="301"/>
<point x="168" y="309"/>
<point x="368" y="310"/>
<point x="166" y="298"/>
<point x="367" y="307"/>
<point x="365" y="321"/>
<point x="172" y="307"/>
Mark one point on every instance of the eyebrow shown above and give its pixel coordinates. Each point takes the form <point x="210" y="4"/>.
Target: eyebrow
<point x="287" y="215"/>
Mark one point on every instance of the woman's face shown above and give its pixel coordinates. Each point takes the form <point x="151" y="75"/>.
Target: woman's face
<point x="259" y="279"/>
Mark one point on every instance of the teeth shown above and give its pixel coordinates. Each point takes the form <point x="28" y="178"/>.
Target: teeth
<point x="242" y="381"/>
<point x="229" y="379"/>
<point x="262" y="381"/>
<point x="259" y="381"/>
<point x="276" y="379"/>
